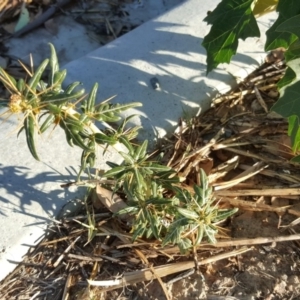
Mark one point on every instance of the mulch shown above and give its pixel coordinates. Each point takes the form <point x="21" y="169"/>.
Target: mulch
<point x="244" y="149"/>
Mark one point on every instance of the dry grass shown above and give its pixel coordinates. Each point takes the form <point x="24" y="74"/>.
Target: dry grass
<point x="244" y="149"/>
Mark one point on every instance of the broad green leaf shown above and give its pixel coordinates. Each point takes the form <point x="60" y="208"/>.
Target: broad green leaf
<point x="293" y="51"/>
<point x="230" y="21"/>
<point x="287" y="78"/>
<point x="288" y="103"/>
<point x="275" y="38"/>
<point x="294" y="132"/>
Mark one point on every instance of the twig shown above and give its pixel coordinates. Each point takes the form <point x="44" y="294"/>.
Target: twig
<point x="161" y="271"/>
<point x="41" y="19"/>
<point x="261" y="100"/>
<point x="260" y="192"/>
<point x="65" y="252"/>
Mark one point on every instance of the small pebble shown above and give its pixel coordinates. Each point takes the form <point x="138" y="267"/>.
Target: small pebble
<point x="154" y="83"/>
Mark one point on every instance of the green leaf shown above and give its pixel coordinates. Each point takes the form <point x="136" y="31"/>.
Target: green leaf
<point x="159" y="201"/>
<point x="153" y="223"/>
<point x="47" y="123"/>
<point x="201" y="199"/>
<point x="138" y="232"/>
<point x="296" y="159"/>
<point x="291" y="25"/>
<point x="128" y="159"/>
<point x="62" y="98"/>
<point x="54" y="66"/>
<point x="34" y="80"/>
<point x="101" y="139"/>
<point x="188" y="213"/>
<point x="113" y="172"/>
<point x="184" y="244"/>
<point x="157" y="167"/>
<point x="230" y="21"/>
<point x="210" y="233"/>
<point x="9" y="82"/>
<point x="199" y="236"/>
<point x="294" y="132"/>
<point x="70" y="88"/>
<point x="275" y="36"/>
<point x="140" y="151"/>
<point x="127" y="210"/>
<point x="91" y="99"/>
<point x="116" y="108"/>
<point x="288" y="103"/>
<point x="127" y="144"/>
<point x="21" y="85"/>
<point x="140" y="182"/>
<point x="58" y="79"/>
<point x="24" y="18"/>
<point x="29" y="125"/>
<point x="287" y="78"/>
<point x="223" y="214"/>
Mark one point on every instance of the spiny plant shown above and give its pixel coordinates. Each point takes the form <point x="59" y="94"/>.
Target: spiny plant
<point x="157" y="206"/>
<point x="232" y="20"/>
<point x="44" y="103"/>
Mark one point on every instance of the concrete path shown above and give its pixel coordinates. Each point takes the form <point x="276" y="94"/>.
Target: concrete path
<point x="168" y="48"/>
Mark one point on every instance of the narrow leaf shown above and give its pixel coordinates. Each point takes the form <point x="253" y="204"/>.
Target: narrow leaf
<point x="54" y="66"/>
<point x="34" y="80"/>
<point x="188" y="213"/>
<point x="101" y="139"/>
<point x="113" y="172"/>
<point x="92" y="98"/>
<point x="29" y="125"/>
